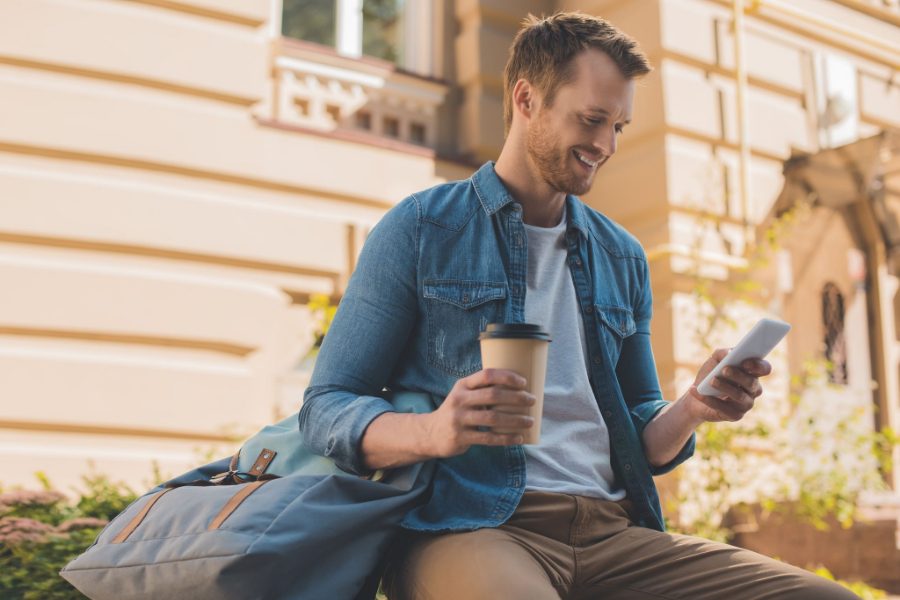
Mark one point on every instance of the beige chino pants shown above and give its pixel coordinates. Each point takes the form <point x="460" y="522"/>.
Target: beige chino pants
<point x="573" y="547"/>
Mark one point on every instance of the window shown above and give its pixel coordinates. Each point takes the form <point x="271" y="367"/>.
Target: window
<point x="833" y="320"/>
<point x="310" y="20"/>
<point x="837" y="102"/>
<point x="352" y="27"/>
<point x="382" y="29"/>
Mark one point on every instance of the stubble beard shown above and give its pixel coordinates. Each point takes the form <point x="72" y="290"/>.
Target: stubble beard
<point x="545" y="151"/>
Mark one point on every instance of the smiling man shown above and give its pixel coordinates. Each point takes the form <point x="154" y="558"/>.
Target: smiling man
<point x="576" y="516"/>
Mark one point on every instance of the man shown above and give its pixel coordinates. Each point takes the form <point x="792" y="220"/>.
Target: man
<point x="576" y="516"/>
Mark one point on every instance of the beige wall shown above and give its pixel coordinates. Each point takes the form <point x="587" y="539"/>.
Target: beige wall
<point x="175" y="181"/>
<point x="697" y="129"/>
<point x="160" y="230"/>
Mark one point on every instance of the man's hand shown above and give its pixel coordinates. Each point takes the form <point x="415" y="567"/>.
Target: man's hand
<point x="671" y="428"/>
<point x="738" y="386"/>
<point x="488" y="398"/>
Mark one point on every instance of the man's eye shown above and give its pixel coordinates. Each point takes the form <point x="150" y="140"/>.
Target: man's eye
<point x="620" y="129"/>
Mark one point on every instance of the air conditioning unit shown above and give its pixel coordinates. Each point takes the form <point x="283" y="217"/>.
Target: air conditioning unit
<point x="837" y="100"/>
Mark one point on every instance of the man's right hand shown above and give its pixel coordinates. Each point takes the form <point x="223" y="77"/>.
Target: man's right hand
<point x="489" y="398"/>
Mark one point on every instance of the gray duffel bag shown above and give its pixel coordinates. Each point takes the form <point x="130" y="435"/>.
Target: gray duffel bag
<point x="272" y="522"/>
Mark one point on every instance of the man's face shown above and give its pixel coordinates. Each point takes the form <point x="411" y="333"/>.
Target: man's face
<point x="573" y="137"/>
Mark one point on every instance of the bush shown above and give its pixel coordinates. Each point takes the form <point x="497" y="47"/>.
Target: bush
<point x="41" y="531"/>
<point x="861" y="589"/>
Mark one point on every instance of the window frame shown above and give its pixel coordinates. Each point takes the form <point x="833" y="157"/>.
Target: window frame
<point x="420" y="32"/>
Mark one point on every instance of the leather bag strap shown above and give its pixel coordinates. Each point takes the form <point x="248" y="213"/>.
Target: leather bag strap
<point x="138" y="518"/>
<point x="234" y="502"/>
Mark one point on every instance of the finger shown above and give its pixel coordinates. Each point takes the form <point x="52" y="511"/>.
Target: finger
<point x="719" y="354"/>
<point x="497" y="395"/>
<point x="713" y="360"/>
<point x="711" y="363"/>
<point x="730" y="409"/>
<point x="757" y="367"/>
<point x="733" y="394"/>
<point x="740" y="378"/>
<point x="489" y="377"/>
<point x="726" y="411"/>
<point x="488" y="438"/>
<point x="496" y="419"/>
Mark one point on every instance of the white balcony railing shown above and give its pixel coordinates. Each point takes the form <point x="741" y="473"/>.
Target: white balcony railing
<point x="319" y="89"/>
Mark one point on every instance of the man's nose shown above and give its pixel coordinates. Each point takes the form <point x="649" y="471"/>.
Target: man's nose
<point x="606" y="142"/>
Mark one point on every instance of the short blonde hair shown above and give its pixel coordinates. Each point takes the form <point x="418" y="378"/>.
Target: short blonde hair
<point x="543" y="49"/>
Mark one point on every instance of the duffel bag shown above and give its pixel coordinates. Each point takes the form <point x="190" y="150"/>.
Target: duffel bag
<point x="274" y="521"/>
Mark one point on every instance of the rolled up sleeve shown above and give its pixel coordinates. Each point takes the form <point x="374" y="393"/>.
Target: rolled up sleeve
<point x="636" y="372"/>
<point x="641" y="415"/>
<point x="366" y="338"/>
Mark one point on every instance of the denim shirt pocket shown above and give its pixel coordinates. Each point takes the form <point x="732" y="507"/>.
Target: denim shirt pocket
<point x="456" y="312"/>
<point x="616" y="324"/>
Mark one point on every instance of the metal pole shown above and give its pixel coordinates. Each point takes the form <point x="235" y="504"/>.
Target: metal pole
<point x="743" y="122"/>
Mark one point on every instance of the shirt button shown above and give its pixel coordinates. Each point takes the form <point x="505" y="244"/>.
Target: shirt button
<point x="607" y="413"/>
<point x="589" y="310"/>
<point x="627" y="467"/>
<point x="465" y="297"/>
<point x="518" y="239"/>
<point x="597" y="360"/>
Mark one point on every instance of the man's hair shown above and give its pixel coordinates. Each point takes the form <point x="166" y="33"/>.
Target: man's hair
<point x="543" y="49"/>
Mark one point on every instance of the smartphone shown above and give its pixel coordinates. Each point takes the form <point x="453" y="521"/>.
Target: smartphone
<point x="758" y="342"/>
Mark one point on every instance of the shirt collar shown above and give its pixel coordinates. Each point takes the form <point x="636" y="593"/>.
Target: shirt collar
<point x="493" y="196"/>
<point x="489" y="189"/>
<point x="575" y="212"/>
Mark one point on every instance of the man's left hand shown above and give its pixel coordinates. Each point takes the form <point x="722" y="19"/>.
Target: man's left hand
<point x="738" y="388"/>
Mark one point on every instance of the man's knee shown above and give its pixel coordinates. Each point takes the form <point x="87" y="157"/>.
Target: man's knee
<point x="478" y="564"/>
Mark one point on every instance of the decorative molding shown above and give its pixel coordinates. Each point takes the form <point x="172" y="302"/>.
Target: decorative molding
<point x="813" y="27"/>
<point x="135" y="250"/>
<point x="191" y="9"/>
<point x="722" y="143"/>
<point x="354" y="136"/>
<point x="42" y="427"/>
<point x="146" y="82"/>
<point x="728" y="73"/>
<point x="704" y="256"/>
<point x="206" y="174"/>
<point x="876" y="9"/>
<point x="323" y="91"/>
<point x="141" y="340"/>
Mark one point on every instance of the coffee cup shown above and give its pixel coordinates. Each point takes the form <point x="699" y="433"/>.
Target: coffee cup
<point x="522" y="348"/>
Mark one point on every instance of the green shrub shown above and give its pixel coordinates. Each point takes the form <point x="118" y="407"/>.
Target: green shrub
<point x="30" y="569"/>
<point x="863" y="590"/>
<point x="41" y="531"/>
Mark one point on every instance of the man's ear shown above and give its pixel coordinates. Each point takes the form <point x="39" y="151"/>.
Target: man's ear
<point x="523" y="98"/>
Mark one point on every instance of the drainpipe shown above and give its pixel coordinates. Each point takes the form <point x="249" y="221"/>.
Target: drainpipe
<point x="742" y="117"/>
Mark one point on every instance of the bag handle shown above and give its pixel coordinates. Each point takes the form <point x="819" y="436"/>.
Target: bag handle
<point x="234" y="502"/>
<point x="217" y="521"/>
<point x="138" y="518"/>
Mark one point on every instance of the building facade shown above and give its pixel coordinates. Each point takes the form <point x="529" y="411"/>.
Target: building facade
<point x="178" y="177"/>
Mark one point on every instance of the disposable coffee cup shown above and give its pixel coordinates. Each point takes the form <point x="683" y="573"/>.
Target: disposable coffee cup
<point x="522" y="348"/>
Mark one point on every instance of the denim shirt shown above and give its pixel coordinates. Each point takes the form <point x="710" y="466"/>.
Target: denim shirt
<point x="437" y="268"/>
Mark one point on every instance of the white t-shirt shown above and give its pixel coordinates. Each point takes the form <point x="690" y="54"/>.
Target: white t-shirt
<point x="573" y="456"/>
